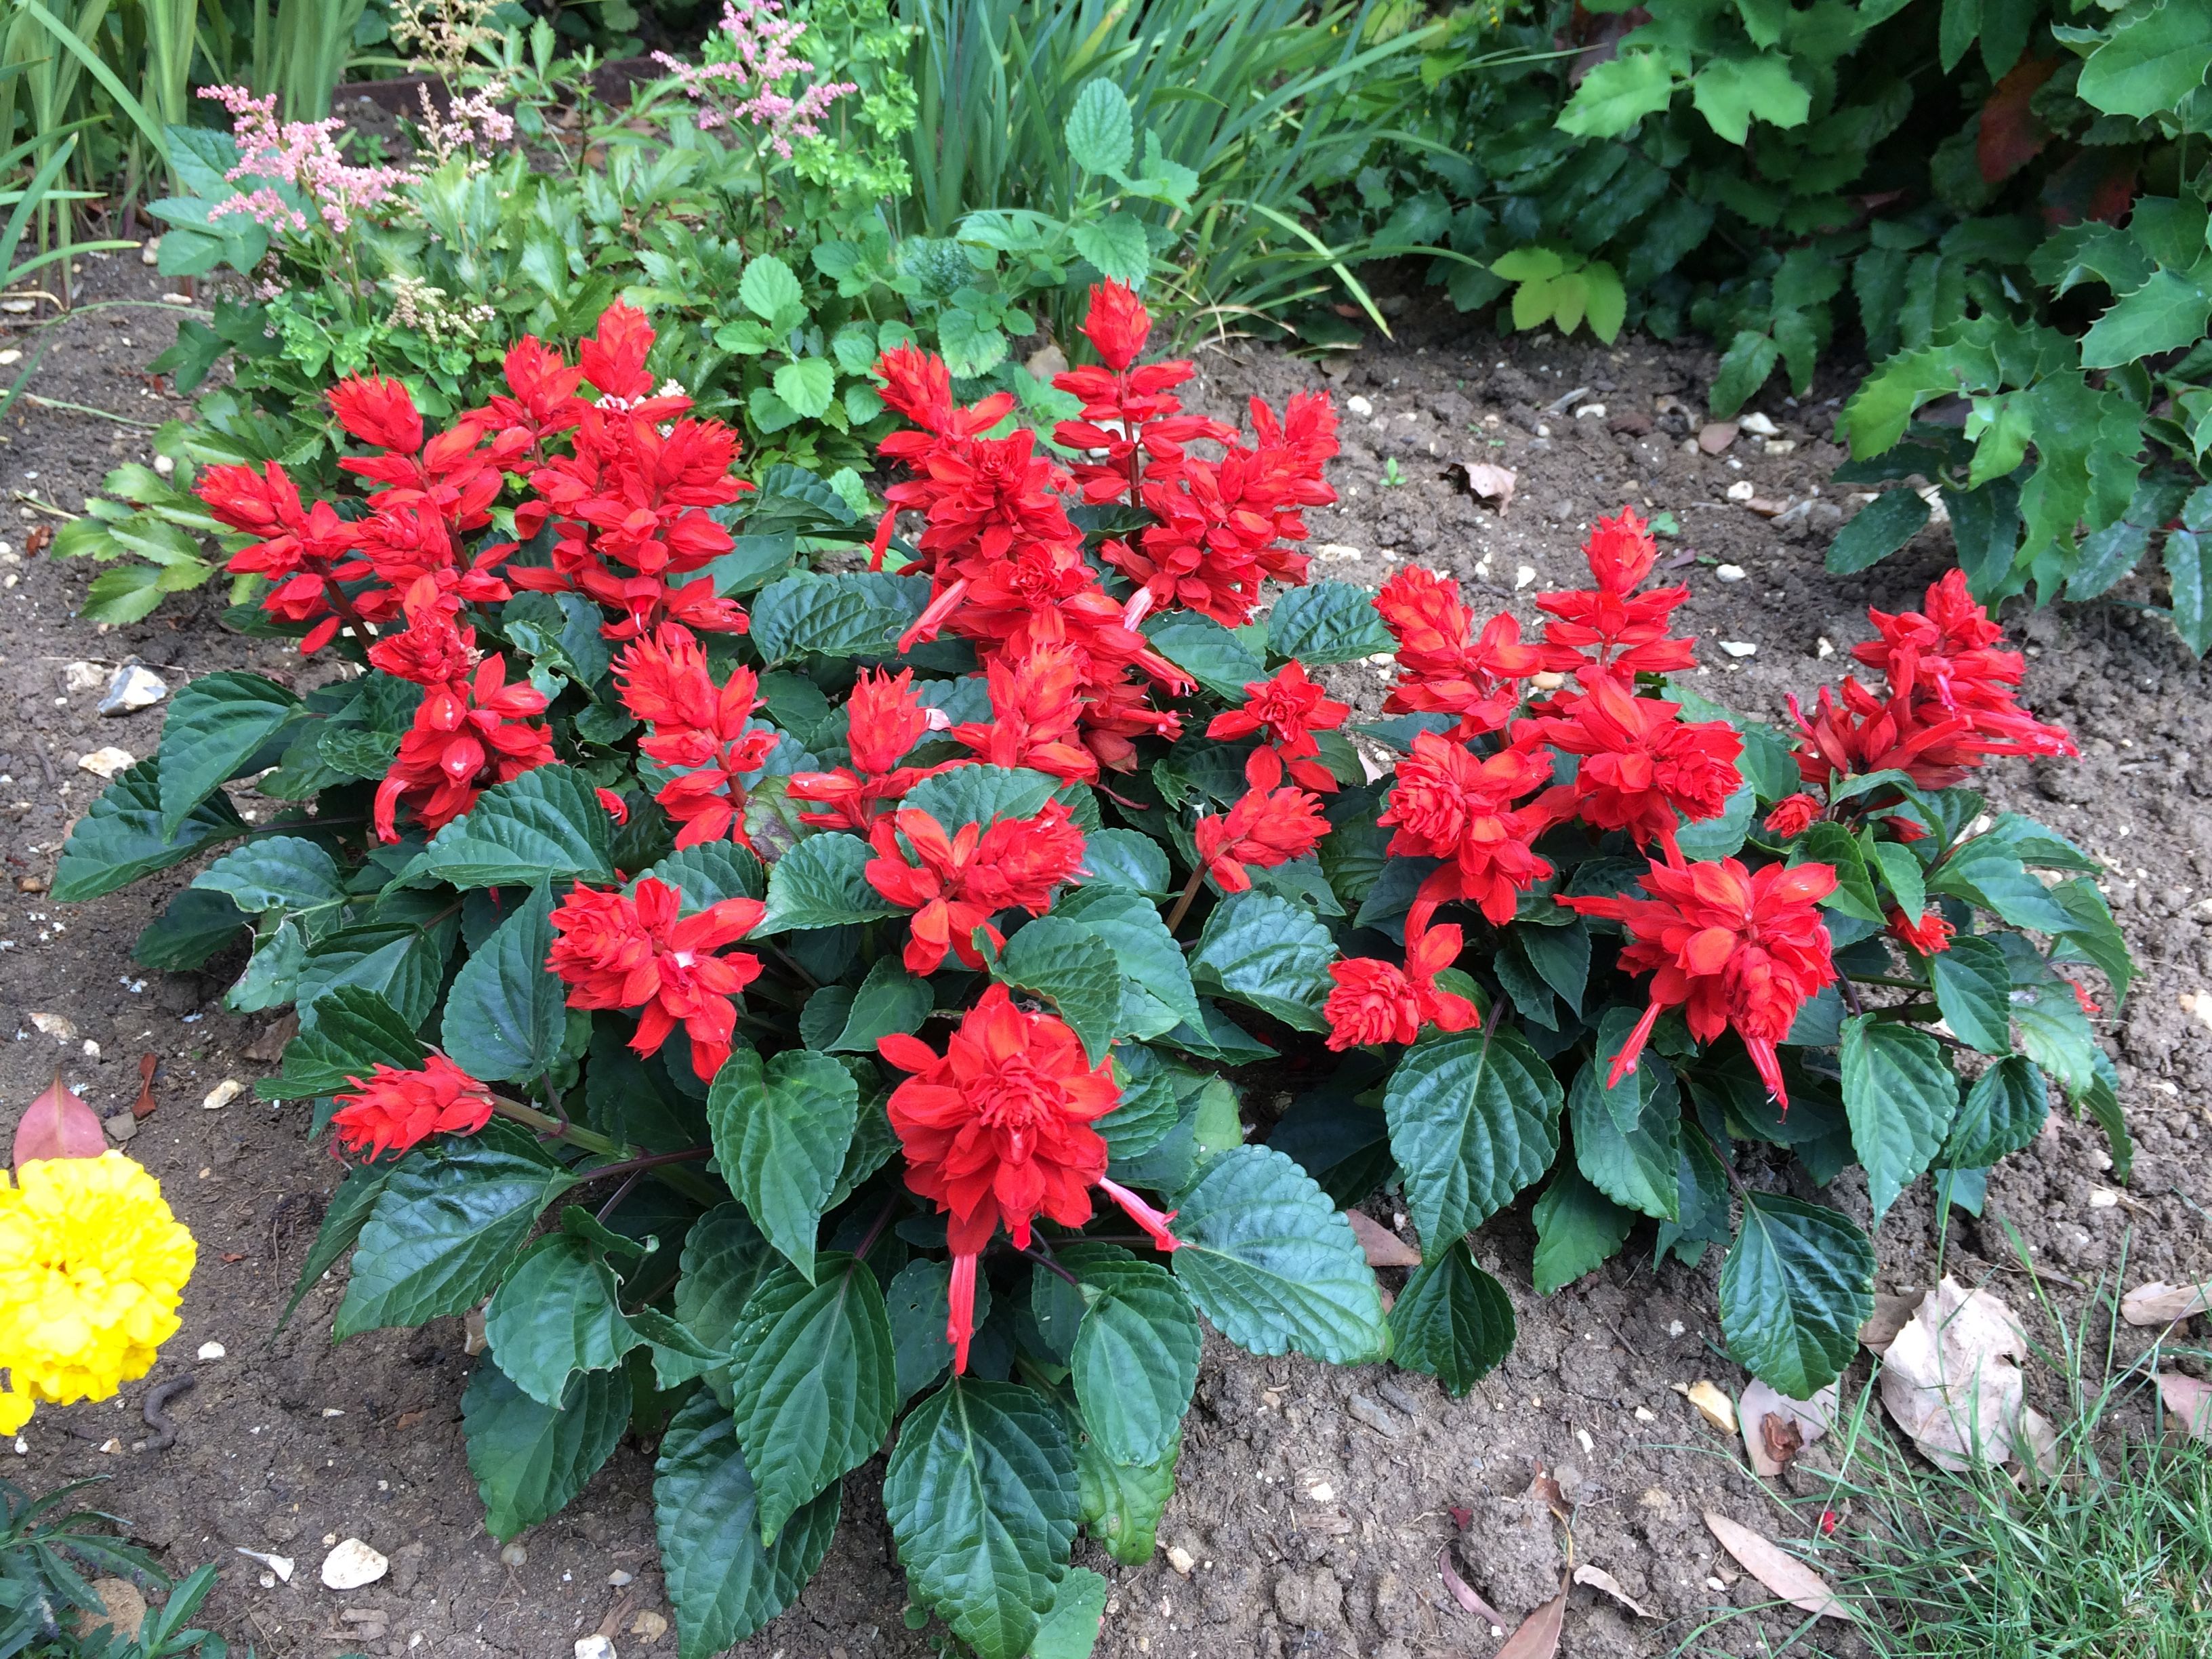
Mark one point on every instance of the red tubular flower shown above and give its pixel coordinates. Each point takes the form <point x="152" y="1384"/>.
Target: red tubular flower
<point x="613" y="358"/>
<point x="1262" y="830"/>
<point x="467" y="736"/>
<point x="544" y="402"/>
<point x="702" y="729"/>
<point x="300" y="551"/>
<point x="1641" y="762"/>
<point x="1730" y="948"/>
<point x="1116" y="323"/>
<point x="1286" y="712"/>
<point x="1129" y="414"/>
<point x="956" y="884"/>
<point x="885" y="719"/>
<point x="1448" y="804"/>
<point x="433" y="651"/>
<point x="1928" y="936"/>
<point x="377" y="412"/>
<point x="998" y="1129"/>
<point x="1611" y="628"/>
<point x="1035" y="711"/>
<point x="639" y="951"/>
<point x="1375" y="1002"/>
<point x="1793" y="815"/>
<point x="394" y="1111"/>
<point x="1443" y="668"/>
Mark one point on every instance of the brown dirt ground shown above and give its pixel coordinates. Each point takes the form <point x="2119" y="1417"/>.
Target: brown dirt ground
<point x="288" y="1443"/>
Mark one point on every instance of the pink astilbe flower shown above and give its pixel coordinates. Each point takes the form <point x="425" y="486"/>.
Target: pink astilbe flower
<point x="301" y="153"/>
<point x="758" y="58"/>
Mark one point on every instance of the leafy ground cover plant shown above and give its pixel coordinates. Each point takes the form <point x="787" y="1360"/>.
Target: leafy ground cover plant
<point x="843" y="1018"/>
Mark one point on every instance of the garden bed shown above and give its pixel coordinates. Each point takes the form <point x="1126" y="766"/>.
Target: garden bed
<point x="1313" y="1503"/>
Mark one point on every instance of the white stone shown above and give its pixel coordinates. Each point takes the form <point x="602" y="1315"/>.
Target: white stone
<point x="10" y="355"/>
<point x="107" y="762"/>
<point x="1759" y="425"/>
<point x="149" y="252"/>
<point x="1180" y="1559"/>
<point x="213" y="1350"/>
<point x="1590" y="412"/>
<point x="1778" y="446"/>
<point x="83" y="676"/>
<point x="60" y="1027"/>
<point x="1322" y="1492"/>
<point x="281" y="1566"/>
<point x="223" y="1094"/>
<point x="1825" y="648"/>
<point x="1522" y="576"/>
<point x="1358" y="405"/>
<point x="618" y="1577"/>
<point x="353" y="1564"/>
<point x="164" y="465"/>
<point x="133" y="687"/>
<point x="514" y="1555"/>
<point x="1730" y="573"/>
<point x="1742" y="490"/>
<point x="594" y="1647"/>
<point x="1738" y="648"/>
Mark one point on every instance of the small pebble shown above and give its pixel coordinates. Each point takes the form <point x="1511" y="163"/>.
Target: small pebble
<point x="107" y="762"/>
<point x="650" y="1624"/>
<point x="1522" y="576"/>
<point x="223" y="1094"/>
<point x="1180" y="1559"/>
<point x="353" y="1564"/>
<point x="514" y="1555"/>
<point x="1738" y="648"/>
<point x="1358" y="405"/>
<point x="1825" y="649"/>
<point x="1590" y="412"/>
<point x="1322" y="1492"/>
<point x="1759" y="425"/>
<point x="149" y="252"/>
<point x="212" y="1351"/>
<point x="1366" y="1410"/>
<point x="164" y="465"/>
<point x="1742" y="490"/>
<point x="1730" y="573"/>
<point x="618" y="1577"/>
<point x="594" y="1647"/>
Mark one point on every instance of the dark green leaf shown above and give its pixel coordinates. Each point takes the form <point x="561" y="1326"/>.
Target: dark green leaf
<point x="192" y="928"/>
<point x="216" y="725"/>
<point x="1156" y="994"/>
<point x="820" y="883"/>
<point x="1636" y="1164"/>
<point x="723" y="1585"/>
<point x="530" y="1459"/>
<point x="1797" y="1285"/>
<point x="556" y="1314"/>
<point x="981" y="794"/>
<point x="1069" y="1629"/>
<point x="281" y="872"/>
<point x="1272" y="1264"/>
<point x="1135" y="1359"/>
<point x="342" y="1223"/>
<point x="920" y="1306"/>
<point x="712" y="872"/>
<point x="123" y="837"/>
<point x="780" y="1131"/>
<point x="2002" y="1114"/>
<point x="1327" y="623"/>
<point x="724" y="1260"/>
<point x="1124" y="858"/>
<point x="1452" y="1319"/>
<point x="398" y="961"/>
<point x="352" y="1032"/>
<point x="889" y="999"/>
<point x="1578" y="1229"/>
<point x="546" y="826"/>
<point x="854" y="614"/>
<point x="1475" y="1120"/>
<point x="1122" y="1502"/>
<point x="1207" y="651"/>
<point x="1269" y="953"/>
<point x="1900" y="1094"/>
<point x="507" y="1015"/>
<point x="1074" y="970"/>
<point x="1973" y="988"/>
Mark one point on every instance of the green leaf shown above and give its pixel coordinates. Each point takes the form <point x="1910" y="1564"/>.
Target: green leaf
<point x="1122" y="1502"/>
<point x="398" y="961"/>
<point x="1075" y="971"/>
<point x="2191" y="573"/>
<point x="1452" y="1319"/>
<point x="851" y="614"/>
<point x="1475" y="1120"/>
<point x="725" y="1261"/>
<point x="546" y="826"/>
<point x="2001" y="1114"/>
<point x="807" y="385"/>
<point x="507" y="1015"/>
<point x="1973" y="988"/>
<point x="1854" y="896"/>
<point x="1900" y="1095"/>
<point x="723" y="1585"/>
<point x="981" y="794"/>
<point x="1272" y="1262"/>
<point x="1900" y="872"/>
<point x="768" y="288"/>
<point x="1578" y="1229"/>
<point x="815" y="1384"/>
<point x="1985" y="874"/>
<point x="780" y="1131"/>
<point x="1157" y="994"/>
<point x="216" y="725"/>
<point x="1634" y="1164"/>
<point x="1750" y="358"/>
<point x="1877" y="529"/>
<point x="556" y="1315"/>
<point x="982" y="1499"/>
<point x="123" y="837"/>
<point x="889" y="999"/>
<point x="192" y="927"/>
<point x="283" y="872"/>
<point x="821" y="883"/>
<point x="1327" y="623"/>
<point x="530" y="1459"/>
<point x="1101" y="136"/>
<point x="1136" y="1353"/>
<point x="2148" y="63"/>
<point x="1605" y="304"/>
<point x="1207" y="651"/>
<point x="1797" y="1285"/>
<point x="353" y="1030"/>
<point x="1124" y="858"/>
<point x="2166" y="314"/>
<point x="1618" y="93"/>
<point x="712" y="872"/>
<point x="444" y="1230"/>
<point x="2094" y="936"/>
<point x="1267" y="953"/>
<point x="1070" y="1627"/>
<point x="1116" y="245"/>
<point x="1731" y="91"/>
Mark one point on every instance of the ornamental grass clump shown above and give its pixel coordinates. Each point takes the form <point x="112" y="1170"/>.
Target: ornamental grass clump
<point x="897" y="1001"/>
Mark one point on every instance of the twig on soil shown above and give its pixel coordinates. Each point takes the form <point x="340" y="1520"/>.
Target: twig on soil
<point x="34" y="399"/>
<point x="48" y="508"/>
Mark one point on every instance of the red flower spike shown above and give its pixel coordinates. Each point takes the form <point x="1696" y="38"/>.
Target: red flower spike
<point x="1610" y="629"/>
<point x="377" y="412"/>
<point x="702" y="730"/>
<point x="1375" y="1002"/>
<point x="613" y="359"/>
<point x="998" y="1130"/>
<point x="1035" y="709"/>
<point x="1793" y="815"/>
<point x="1727" y="946"/>
<point x="1116" y="323"/>
<point x="1263" y="829"/>
<point x="395" y="1111"/>
<point x="1449" y="804"/>
<point x="1928" y="936"/>
<point x="638" y="951"/>
<point x="885" y="719"/>
<point x="1285" y="711"/>
<point x="1642" y="763"/>
<point x="955" y="884"/>
<point x="1443" y="667"/>
<point x="467" y="736"/>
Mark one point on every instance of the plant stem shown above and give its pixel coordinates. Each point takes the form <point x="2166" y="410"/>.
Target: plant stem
<point x="645" y="1161"/>
<point x="876" y="1228"/>
<point x="661" y="1165"/>
<point x="1850" y="995"/>
<point x="1183" y="905"/>
<point x="1051" y="1266"/>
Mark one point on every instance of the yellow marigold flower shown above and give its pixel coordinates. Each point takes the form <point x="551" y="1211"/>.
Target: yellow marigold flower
<point x="92" y="1267"/>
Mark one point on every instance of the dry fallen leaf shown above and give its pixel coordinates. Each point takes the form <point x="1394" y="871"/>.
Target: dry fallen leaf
<point x="1766" y="506"/>
<point x="1599" y="1578"/>
<point x="1385" y="1247"/>
<point x="1890" y="1313"/>
<point x="1716" y="435"/>
<point x="1780" y="1571"/>
<point x="2190" y="1399"/>
<point x="2161" y="1304"/>
<point x="1489" y="482"/>
<point x="1712" y="1405"/>
<point x="1544" y="1486"/>
<point x="38" y="539"/>
<point x="1465" y="1594"/>
<point x="142" y="1107"/>
<point x="1539" y="1635"/>
<point x="1776" y="1428"/>
<point x="1950" y="1379"/>
<point x="269" y="1046"/>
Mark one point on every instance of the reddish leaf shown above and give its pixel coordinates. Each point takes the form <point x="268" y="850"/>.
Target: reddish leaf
<point x="2096" y="184"/>
<point x="1385" y="1248"/>
<point x="1539" y="1635"/>
<point x="143" y="1108"/>
<point x="2010" y="134"/>
<point x="1465" y="1594"/>
<point x="57" y="1124"/>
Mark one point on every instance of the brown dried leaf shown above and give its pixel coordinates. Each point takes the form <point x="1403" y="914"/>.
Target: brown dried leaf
<point x="2161" y="1304"/>
<point x="1385" y="1247"/>
<point x="1715" y="1407"/>
<point x="1542" y="1486"/>
<point x="1780" y="1439"/>
<point x="1599" y="1578"/>
<point x="1951" y="1379"/>
<point x="1780" y="1571"/>
<point x="2190" y="1399"/>
<point x="269" y="1046"/>
<point x="38" y="539"/>
<point x="143" y="1108"/>
<point x="1539" y="1635"/>
<point x="1766" y="506"/>
<point x="1489" y="482"/>
<point x="1716" y="435"/>
<point x="1469" y="1599"/>
<point x="1890" y="1313"/>
<point x="1776" y="1428"/>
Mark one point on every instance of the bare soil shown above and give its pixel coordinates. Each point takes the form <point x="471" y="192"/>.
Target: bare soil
<point x="1314" y="1503"/>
